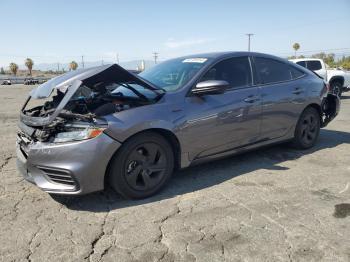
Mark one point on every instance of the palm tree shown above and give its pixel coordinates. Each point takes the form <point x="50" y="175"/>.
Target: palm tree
<point x="29" y="64"/>
<point x="14" y="68"/>
<point x="73" y="65"/>
<point x="296" y="47"/>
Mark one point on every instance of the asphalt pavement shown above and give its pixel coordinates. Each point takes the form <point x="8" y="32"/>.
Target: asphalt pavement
<point x="273" y="204"/>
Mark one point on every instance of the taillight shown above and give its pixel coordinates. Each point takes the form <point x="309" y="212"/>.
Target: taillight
<point x="328" y="87"/>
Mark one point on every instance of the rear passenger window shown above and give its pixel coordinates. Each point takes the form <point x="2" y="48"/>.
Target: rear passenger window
<point x="295" y="73"/>
<point x="272" y="71"/>
<point x="314" y="65"/>
<point x="236" y="71"/>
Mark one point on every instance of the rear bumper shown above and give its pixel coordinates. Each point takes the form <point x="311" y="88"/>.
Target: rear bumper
<point x="68" y="168"/>
<point x="330" y="108"/>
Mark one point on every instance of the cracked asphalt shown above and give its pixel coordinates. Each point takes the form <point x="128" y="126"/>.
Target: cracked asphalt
<point x="274" y="204"/>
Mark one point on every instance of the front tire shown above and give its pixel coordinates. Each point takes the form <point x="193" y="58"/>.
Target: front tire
<point x="142" y="166"/>
<point x="307" y="129"/>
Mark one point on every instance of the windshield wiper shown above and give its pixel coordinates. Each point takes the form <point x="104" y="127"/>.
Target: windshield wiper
<point x="161" y="88"/>
<point x="142" y="96"/>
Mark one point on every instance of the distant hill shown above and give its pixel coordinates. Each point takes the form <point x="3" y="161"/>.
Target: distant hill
<point x="53" y="66"/>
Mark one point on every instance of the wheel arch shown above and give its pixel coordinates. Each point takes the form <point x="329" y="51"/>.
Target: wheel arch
<point x="173" y="140"/>
<point x="167" y="134"/>
<point x="337" y="79"/>
<point x="318" y="109"/>
<point x="316" y="106"/>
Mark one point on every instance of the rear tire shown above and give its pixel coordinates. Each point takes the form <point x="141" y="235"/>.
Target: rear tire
<point x="307" y="129"/>
<point x="142" y="166"/>
<point x="336" y="88"/>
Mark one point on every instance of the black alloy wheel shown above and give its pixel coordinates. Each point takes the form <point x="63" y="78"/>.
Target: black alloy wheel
<point x="145" y="166"/>
<point x="307" y="129"/>
<point x="141" y="166"/>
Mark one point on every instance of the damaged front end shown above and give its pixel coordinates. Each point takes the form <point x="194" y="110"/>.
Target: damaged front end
<point x="58" y="119"/>
<point x="71" y="107"/>
<point x="61" y="143"/>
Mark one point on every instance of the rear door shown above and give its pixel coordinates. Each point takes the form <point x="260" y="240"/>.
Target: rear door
<point x="217" y="123"/>
<point x="282" y="94"/>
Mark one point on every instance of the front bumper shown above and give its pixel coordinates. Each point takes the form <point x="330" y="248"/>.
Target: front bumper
<point x="69" y="168"/>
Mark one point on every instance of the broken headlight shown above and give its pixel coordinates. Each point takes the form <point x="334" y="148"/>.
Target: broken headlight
<point x="77" y="134"/>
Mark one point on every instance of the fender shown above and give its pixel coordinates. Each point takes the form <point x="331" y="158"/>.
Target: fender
<point x="160" y="125"/>
<point x="120" y="134"/>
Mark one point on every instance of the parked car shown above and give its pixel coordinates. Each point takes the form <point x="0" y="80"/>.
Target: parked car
<point x="31" y="81"/>
<point x="6" y="82"/>
<point x="107" y="126"/>
<point x="338" y="80"/>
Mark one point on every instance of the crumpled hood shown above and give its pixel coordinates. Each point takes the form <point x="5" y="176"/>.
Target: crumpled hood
<point x="89" y="77"/>
<point x="71" y="81"/>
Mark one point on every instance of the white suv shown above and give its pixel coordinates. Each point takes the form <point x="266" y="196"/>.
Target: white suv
<point x="338" y="80"/>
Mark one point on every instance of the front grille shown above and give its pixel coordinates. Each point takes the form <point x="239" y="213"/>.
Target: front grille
<point x="23" y="143"/>
<point x="59" y="176"/>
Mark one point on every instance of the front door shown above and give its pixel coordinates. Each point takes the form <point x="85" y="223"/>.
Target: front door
<point x="218" y="123"/>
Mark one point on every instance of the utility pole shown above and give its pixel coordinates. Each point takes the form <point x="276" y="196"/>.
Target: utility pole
<point x="102" y="62"/>
<point x="82" y="61"/>
<point x="155" y="55"/>
<point x="142" y="67"/>
<point x="117" y="58"/>
<point x="58" y="67"/>
<point x="249" y="35"/>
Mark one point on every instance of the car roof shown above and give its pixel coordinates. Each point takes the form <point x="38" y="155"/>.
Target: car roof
<point x="219" y="55"/>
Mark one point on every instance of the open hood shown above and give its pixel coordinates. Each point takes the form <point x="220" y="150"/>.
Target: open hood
<point x="89" y="77"/>
<point x="69" y="83"/>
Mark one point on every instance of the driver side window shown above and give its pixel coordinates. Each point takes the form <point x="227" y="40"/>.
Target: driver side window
<point x="236" y="71"/>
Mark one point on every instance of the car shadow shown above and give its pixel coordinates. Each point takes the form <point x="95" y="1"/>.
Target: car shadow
<point x="343" y="97"/>
<point x="207" y="175"/>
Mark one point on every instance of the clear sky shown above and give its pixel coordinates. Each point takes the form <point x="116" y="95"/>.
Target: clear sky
<point x="62" y="30"/>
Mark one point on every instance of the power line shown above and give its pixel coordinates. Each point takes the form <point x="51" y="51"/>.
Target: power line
<point x="316" y="51"/>
<point x="155" y="55"/>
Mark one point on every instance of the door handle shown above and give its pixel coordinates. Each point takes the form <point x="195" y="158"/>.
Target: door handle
<point x="298" y="91"/>
<point x="251" y="99"/>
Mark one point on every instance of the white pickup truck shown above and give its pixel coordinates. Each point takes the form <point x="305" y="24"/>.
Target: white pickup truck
<point x="338" y="80"/>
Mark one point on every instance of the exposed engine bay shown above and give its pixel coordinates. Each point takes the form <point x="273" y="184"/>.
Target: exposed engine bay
<point x="80" y="106"/>
<point x="85" y="104"/>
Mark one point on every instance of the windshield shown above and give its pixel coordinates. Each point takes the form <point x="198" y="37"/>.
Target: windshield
<point x="173" y="74"/>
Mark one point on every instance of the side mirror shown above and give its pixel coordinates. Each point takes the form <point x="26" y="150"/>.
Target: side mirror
<point x="210" y="87"/>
